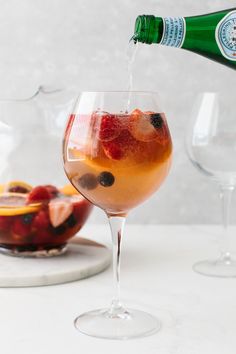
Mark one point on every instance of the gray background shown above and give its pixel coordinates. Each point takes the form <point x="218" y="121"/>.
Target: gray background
<point x="82" y="44"/>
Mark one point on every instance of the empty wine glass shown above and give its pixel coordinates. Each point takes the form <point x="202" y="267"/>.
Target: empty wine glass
<point x="211" y="147"/>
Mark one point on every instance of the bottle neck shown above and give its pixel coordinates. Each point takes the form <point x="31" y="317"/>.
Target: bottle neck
<point x="168" y="31"/>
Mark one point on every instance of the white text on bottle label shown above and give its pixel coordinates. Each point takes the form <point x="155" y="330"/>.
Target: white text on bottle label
<point x="226" y="35"/>
<point x="174" y="29"/>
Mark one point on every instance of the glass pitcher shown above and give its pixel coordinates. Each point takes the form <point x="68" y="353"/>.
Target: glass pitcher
<point x="39" y="211"/>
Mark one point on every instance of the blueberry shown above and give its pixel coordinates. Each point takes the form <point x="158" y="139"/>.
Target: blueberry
<point x="27" y="218"/>
<point x="106" y="179"/>
<point x="88" y="181"/>
<point x="71" y="221"/>
<point x="59" y="230"/>
<point x="156" y="120"/>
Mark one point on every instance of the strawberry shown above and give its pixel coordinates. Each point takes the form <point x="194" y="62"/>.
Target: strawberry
<point x="119" y="147"/>
<point x="59" y="211"/>
<point x="109" y="127"/>
<point x="53" y="191"/>
<point x="20" y="228"/>
<point x="39" y="194"/>
<point x="41" y="220"/>
<point x="5" y="222"/>
<point x="113" y="150"/>
<point x="141" y="127"/>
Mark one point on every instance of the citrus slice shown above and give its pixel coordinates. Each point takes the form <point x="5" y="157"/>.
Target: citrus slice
<point x="68" y="189"/>
<point x="17" y="187"/>
<point x="15" y="204"/>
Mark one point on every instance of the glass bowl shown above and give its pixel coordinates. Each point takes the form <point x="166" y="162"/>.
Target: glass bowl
<point x="39" y="211"/>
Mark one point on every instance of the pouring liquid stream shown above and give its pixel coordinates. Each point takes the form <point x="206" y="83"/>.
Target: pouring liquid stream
<point x="131" y="55"/>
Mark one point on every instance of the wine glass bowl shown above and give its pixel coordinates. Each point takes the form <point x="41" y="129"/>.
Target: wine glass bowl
<point x="211" y="146"/>
<point x="117" y="152"/>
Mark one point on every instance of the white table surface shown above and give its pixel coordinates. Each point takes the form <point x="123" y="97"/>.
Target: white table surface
<point x="198" y="312"/>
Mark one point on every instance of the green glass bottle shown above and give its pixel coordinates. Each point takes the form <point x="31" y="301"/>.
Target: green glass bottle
<point x="212" y="35"/>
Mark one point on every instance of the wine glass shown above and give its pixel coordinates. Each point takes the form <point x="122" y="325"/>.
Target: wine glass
<point x="117" y="152"/>
<point x="211" y="147"/>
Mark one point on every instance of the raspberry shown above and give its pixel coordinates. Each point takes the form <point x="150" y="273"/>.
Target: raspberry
<point x="39" y="194"/>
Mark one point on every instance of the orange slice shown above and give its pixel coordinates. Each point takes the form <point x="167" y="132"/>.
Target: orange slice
<point x="15" y="204"/>
<point x="69" y="190"/>
<point x="15" y="187"/>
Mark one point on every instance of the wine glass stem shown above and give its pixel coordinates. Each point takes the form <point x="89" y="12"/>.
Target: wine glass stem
<point x="226" y="195"/>
<point x="117" y="228"/>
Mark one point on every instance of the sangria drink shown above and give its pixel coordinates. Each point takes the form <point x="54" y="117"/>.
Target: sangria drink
<point x="125" y="159"/>
<point x="117" y="152"/>
<point x="39" y="220"/>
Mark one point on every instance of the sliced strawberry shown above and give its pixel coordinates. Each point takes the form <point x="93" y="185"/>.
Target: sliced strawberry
<point x="39" y="194"/>
<point x="113" y="150"/>
<point x="59" y="210"/>
<point x="120" y="147"/>
<point x="5" y="222"/>
<point x="20" y="228"/>
<point x="53" y="191"/>
<point x="141" y="127"/>
<point x="110" y="127"/>
<point x="41" y="220"/>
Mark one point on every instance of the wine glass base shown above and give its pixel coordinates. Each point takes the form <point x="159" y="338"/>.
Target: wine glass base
<point x="124" y="325"/>
<point x="218" y="268"/>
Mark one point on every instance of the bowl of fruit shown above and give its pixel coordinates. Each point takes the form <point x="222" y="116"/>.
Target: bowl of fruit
<point x="39" y="221"/>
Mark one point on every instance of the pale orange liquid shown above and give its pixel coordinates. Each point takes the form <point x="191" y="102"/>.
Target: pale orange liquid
<point x="138" y="174"/>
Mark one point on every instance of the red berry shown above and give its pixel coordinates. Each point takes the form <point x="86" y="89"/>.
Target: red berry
<point x="41" y="220"/>
<point x="109" y="128"/>
<point x="39" y="194"/>
<point x="113" y="150"/>
<point x="53" y="191"/>
<point x="5" y="222"/>
<point x="20" y="228"/>
<point x="120" y="147"/>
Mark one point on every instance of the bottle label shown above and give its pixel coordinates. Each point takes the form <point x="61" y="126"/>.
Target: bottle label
<point x="226" y="35"/>
<point x="174" y="29"/>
